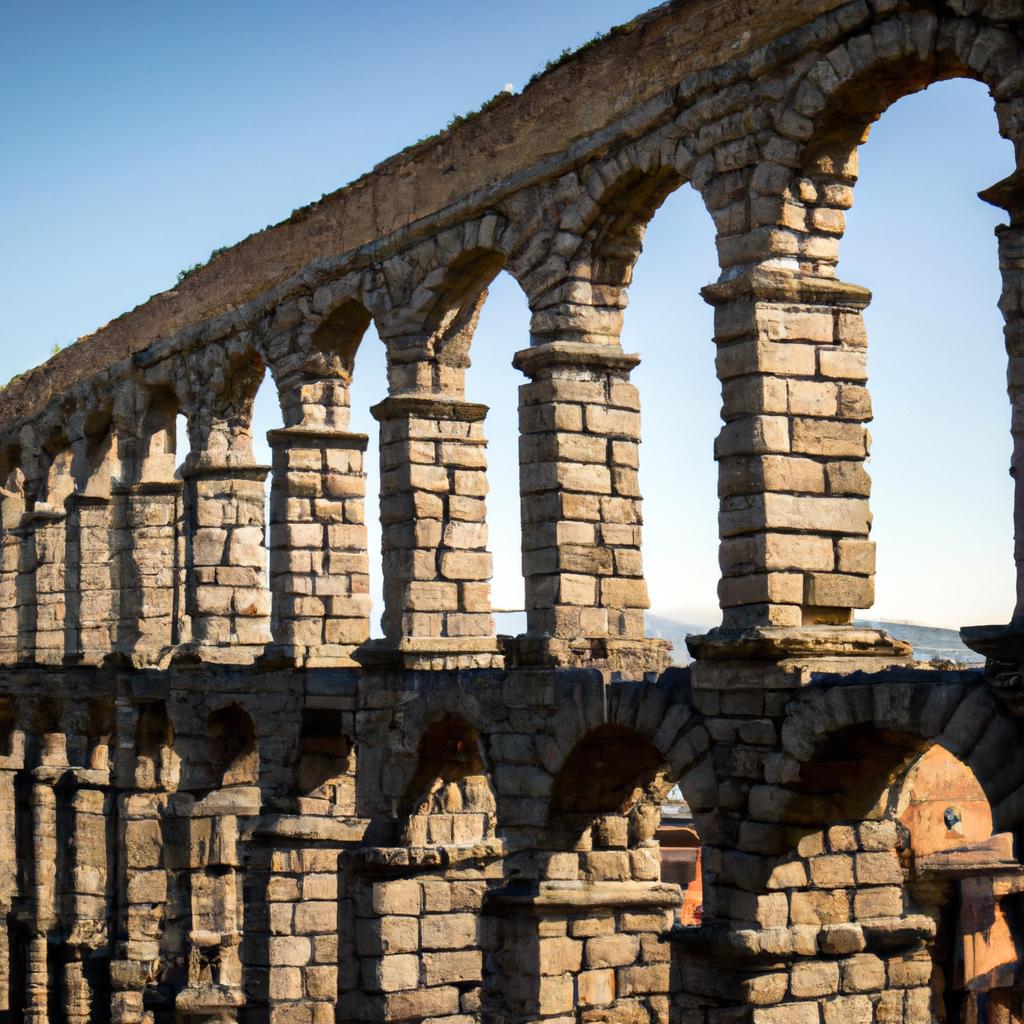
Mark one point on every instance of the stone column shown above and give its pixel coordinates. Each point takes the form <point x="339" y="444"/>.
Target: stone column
<point x="40" y="587"/>
<point x="12" y="507"/>
<point x="794" y="518"/>
<point x="579" y="453"/>
<point x="91" y="579"/>
<point x="43" y="886"/>
<point x="213" y="919"/>
<point x="437" y="568"/>
<point x="1001" y="644"/>
<point x="1011" y="263"/>
<point x="12" y="760"/>
<point x="146" y="772"/>
<point x="792" y="358"/>
<point x="227" y="594"/>
<point x="151" y="547"/>
<point x="319" y="572"/>
<point x="85" y="913"/>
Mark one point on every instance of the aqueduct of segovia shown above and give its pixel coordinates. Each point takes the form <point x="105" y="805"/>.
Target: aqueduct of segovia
<point x="221" y="802"/>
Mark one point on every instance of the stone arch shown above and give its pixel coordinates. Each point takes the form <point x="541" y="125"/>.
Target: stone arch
<point x="215" y="387"/>
<point x="629" y="187"/>
<point x="887" y="845"/>
<point x="157" y="454"/>
<point x="579" y="292"/>
<point x="309" y="344"/>
<point x="839" y="99"/>
<point x="906" y="717"/>
<point x="435" y="292"/>
<point x="780" y="194"/>
<point x="450" y="800"/>
<point x="661" y="715"/>
<point x="610" y="790"/>
<point x="231" y="747"/>
<point x="831" y="109"/>
<point x="612" y="770"/>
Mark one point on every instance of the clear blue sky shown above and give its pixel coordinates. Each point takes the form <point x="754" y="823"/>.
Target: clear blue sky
<point x="138" y="137"/>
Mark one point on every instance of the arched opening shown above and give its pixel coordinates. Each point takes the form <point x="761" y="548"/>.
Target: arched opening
<point x="922" y="241"/>
<point x="893" y="837"/>
<point x="182" y="445"/>
<point x="325" y="772"/>
<point x="615" y="793"/>
<point x="671" y="328"/>
<point x="59" y="481"/>
<point x="8" y="710"/>
<point x="600" y="889"/>
<point x="503" y="329"/>
<point x="369" y="386"/>
<point x="266" y="416"/>
<point x="231" y="747"/>
<point x="47" y="733"/>
<point x="154" y="747"/>
<point x="450" y="800"/>
<point x="100" y="732"/>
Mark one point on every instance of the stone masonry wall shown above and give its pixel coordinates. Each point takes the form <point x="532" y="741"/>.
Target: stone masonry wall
<point x="223" y="803"/>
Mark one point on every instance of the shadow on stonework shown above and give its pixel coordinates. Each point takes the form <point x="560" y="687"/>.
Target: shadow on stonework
<point x="879" y="887"/>
<point x="585" y="938"/>
<point x="411" y="911"/>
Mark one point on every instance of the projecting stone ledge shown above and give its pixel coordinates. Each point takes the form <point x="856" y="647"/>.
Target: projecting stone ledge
<point x="782" y="657"/>
<point x="436" y="654"/>
<point x="586" y="895"/>
<point x="633" y="659"/>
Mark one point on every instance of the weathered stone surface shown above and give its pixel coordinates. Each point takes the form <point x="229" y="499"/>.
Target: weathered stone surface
<point x="250" y="811"/>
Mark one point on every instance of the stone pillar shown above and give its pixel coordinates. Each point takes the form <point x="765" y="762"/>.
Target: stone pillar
<point x="1011" y="263"/>
<point x="794" y="518"/>
<point x="151" y="547"/>
<point x="12" y="507"/>
<point x="11" y="763"/>
<point x="227" y="594"/>
<point x="214" y="921"/>
<point x="579" y="453"/>
<point x="40" y="587"/>
<point x="319" y="572"/>
<point x="1001" y="644"/>
<point x="92" y="579"/>
<point x="145" y="772"/>
<point x="85" y="913"/>
<point x="43" y="886"/>
<point x="792" y="358"/>
<point x="437" y="568"/>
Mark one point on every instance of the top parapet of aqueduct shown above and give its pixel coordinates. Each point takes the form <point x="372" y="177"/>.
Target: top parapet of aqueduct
<point x="474" y="163"/>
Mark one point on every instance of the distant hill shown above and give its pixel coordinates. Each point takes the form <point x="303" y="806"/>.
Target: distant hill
<point x="928" y="642"/>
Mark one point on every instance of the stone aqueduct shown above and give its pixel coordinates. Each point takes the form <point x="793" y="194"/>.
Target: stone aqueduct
<point x="221" y="802"/>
